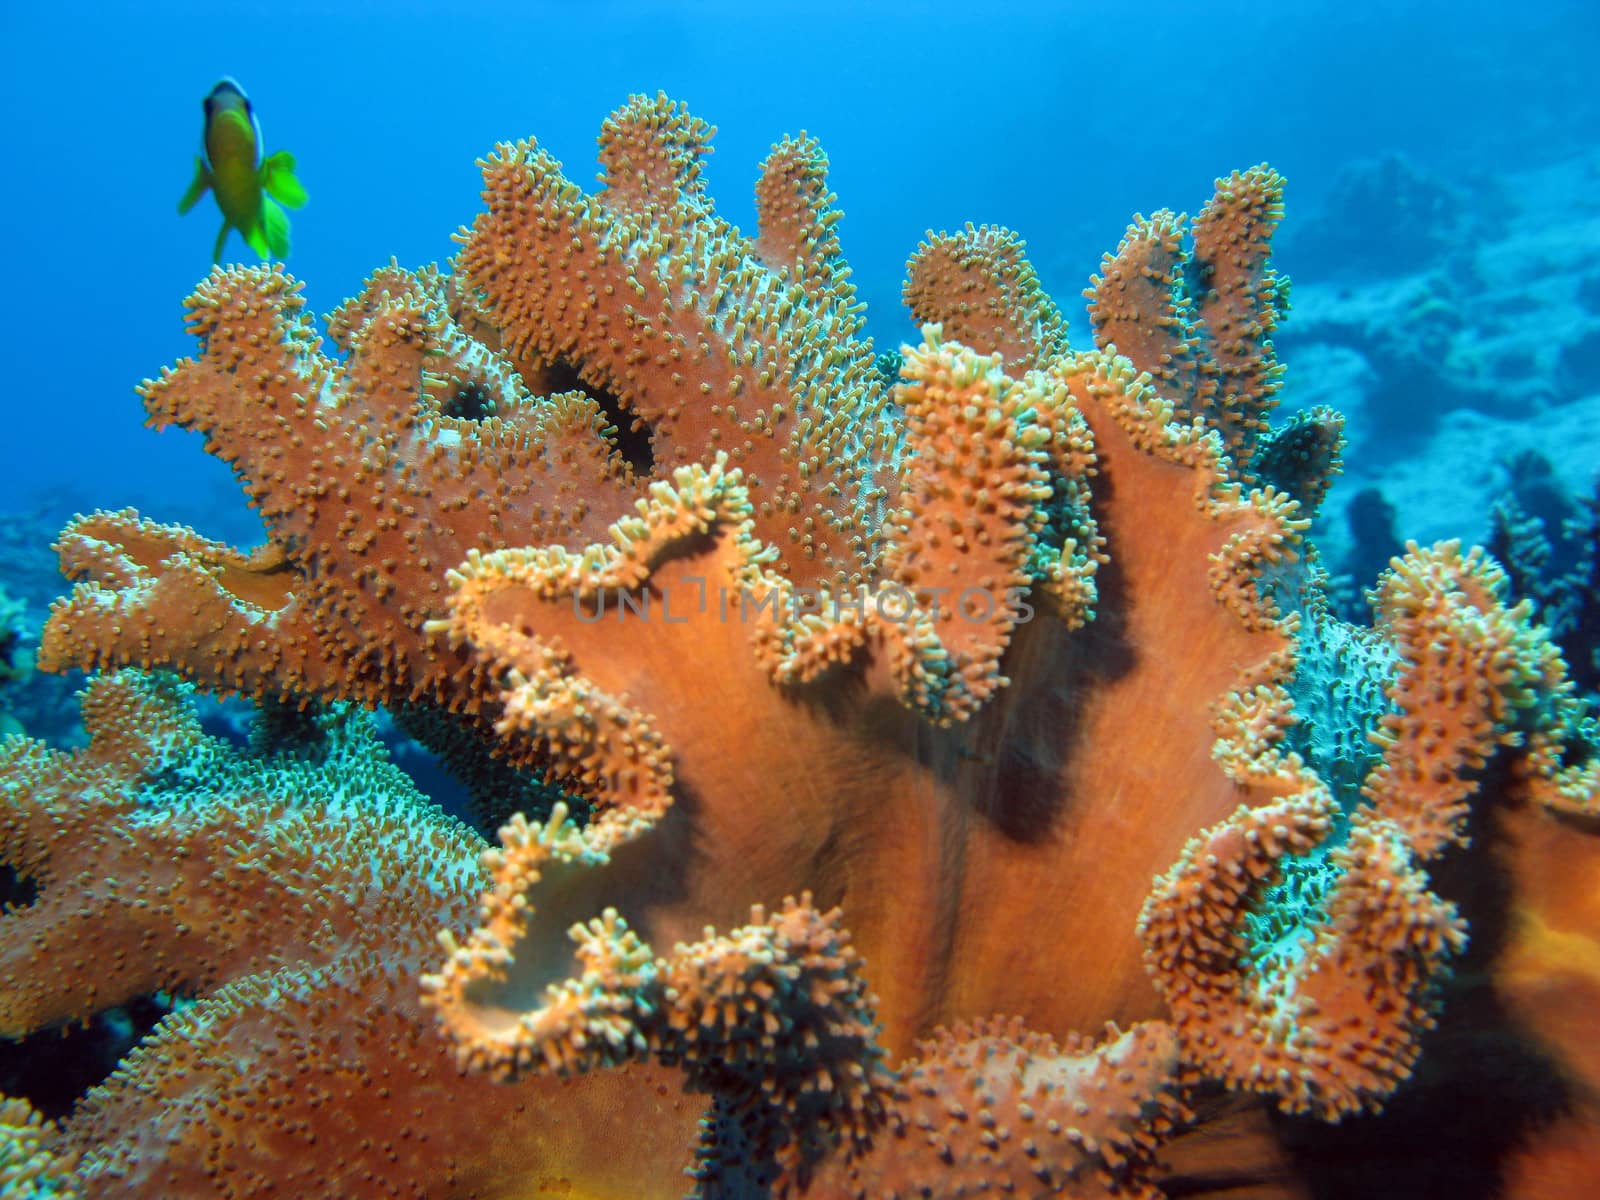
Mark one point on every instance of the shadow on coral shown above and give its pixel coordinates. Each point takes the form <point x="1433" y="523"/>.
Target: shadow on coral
<point x="1481" y="1089"/>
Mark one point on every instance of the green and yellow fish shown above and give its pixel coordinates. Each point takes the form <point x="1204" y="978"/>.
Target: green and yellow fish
<point x="248" y="188"/>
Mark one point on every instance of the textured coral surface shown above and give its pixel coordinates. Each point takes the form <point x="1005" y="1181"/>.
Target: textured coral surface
<point x="914" y="724"/>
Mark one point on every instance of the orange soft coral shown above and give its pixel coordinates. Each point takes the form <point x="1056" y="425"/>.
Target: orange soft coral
<point x="971" y="656"/>
<point x="292" y="895"/>
<point x="375" y="474"/>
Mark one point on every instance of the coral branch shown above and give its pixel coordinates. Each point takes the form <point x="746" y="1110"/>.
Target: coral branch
<point x="1201" y="323"/>
<point x="289" y="895"/>
<point x="981" y="289"/>
<point x="1297" y="945"/>
<point x="375" y="475"/>
<point x="709" y="341"/>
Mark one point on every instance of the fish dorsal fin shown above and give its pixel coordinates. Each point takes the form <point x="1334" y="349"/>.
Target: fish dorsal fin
<point x="278" y="178"/>
<point x="202" y="181"/>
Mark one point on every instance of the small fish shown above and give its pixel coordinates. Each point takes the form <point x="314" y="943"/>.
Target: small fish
<point x="248" y="188"/>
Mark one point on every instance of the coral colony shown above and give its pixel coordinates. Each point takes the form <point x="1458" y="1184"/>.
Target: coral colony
<point x="948" y="776"/>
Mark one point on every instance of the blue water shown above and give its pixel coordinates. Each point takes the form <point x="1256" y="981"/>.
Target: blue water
<point x="1059" y="120"/>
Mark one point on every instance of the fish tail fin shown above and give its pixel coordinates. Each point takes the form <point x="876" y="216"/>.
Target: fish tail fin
<point x="273" y="230"/>
<point x="278" y="178"/>
<point x="197" y="188"/>
<point x="256" y="238"/>
<point x="222" y="236"/>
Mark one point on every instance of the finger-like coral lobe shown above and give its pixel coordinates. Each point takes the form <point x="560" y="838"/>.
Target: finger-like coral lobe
<point x="375" y="474"/>
<point x="1328" y="1017"/>
<point x="709" y="341"/>
<point x="1200" y="320"/>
